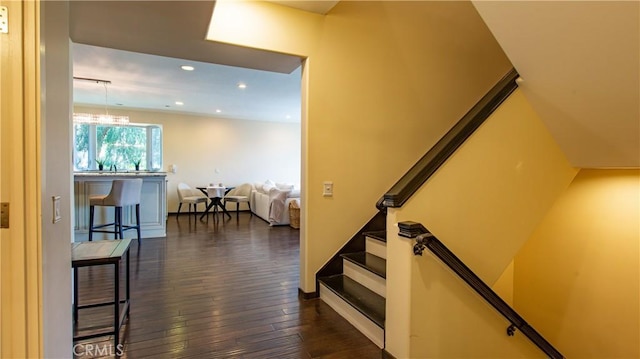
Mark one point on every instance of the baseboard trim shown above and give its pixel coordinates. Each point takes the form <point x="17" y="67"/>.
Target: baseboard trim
<point x="305" y="295"/>
<point x="184" y="213"/>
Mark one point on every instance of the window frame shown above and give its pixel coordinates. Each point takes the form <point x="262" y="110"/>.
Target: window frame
<point x="149" y="148"/>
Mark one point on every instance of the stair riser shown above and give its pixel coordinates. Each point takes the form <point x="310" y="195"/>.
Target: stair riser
<point x="376" y="247"/>
<point x="370" y="280"/>
<point x="353" y="316"/>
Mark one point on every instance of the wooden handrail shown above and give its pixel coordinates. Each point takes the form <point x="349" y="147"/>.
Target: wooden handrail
<point x="424" y="239"/>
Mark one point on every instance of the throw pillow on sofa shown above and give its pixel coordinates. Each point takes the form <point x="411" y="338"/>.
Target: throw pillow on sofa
<point x="284" y="186"/>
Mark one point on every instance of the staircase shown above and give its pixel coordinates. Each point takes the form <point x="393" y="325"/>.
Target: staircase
<point x="353" y="281"/>
<point x="358" y="293"/>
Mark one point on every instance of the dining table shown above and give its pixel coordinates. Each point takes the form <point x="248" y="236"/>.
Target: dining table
<point x="215" y="195"/>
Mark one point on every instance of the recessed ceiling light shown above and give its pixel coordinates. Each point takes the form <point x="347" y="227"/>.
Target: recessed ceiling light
<point x="187" y="68"/>
<point x="179" y="103"/>
<point x="242" y="85"/>
<point x="218" y="110"/>
<point x="288" y="116"/>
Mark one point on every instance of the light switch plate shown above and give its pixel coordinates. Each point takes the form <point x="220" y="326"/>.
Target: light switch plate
<point x="327" y="189"/>
<point x="57" y="216"/>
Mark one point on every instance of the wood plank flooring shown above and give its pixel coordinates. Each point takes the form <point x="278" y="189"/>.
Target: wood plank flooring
<point x="222" y="288"/>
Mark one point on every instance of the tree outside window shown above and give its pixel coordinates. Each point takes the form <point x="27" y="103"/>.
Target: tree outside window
<point x="117" y="147"/>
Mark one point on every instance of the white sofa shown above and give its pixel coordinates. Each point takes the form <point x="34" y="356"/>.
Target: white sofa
<point x="270" y="201"/>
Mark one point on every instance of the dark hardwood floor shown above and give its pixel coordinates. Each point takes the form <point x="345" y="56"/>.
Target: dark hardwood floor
<point x="221" y="288"/>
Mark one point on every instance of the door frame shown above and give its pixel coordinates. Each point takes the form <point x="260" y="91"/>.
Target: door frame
<point x="20" y="168"/>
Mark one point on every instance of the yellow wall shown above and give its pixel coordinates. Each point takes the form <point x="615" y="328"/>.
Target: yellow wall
<point x="266" y="26"/>
<point x="578" y="278"/>
<point x="385" y="80"/>
<point x="451" y="321"/>
<point x="483" y="204"/>
<point x="504" y="285"/>
<point x="242" y="151"/>
<point x="486" y="201"/>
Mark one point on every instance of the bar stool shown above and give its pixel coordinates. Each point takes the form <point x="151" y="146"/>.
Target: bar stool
<point x="124" y="192"/>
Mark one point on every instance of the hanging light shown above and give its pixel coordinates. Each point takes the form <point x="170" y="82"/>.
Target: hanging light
<point x="106" y="119"/>
<point x="97" y="119"/>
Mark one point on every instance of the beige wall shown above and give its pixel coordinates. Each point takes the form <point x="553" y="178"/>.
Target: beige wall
<point x="385" y="81"/>
<point x="483" y="204"/>
<point x="578" y="278"/>
<point x="241" y="151"/>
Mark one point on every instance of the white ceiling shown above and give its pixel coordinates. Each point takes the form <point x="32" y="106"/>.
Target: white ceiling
<point x="580" y="65"/>
<point x="140" y="45"/>
<point x="153" y="82"/>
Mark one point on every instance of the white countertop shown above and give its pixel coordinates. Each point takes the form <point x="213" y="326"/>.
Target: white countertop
<point x="119" y="173"/>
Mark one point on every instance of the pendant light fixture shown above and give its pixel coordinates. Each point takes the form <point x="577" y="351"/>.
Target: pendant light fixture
<point x="96" y="119"/>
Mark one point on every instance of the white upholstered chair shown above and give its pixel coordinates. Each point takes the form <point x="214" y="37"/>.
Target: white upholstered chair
<point x="124" y="192"/>
<point x="187" y="195"/>
<point x="239" y="195"/>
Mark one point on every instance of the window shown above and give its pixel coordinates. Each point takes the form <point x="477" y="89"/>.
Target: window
<point x="118" y="147"/>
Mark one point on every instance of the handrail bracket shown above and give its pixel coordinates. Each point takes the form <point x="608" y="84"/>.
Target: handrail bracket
<point x="421" y="243"/>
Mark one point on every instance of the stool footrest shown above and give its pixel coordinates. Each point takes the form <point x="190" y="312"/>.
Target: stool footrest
<point x="94" y="335"/>
<point x="104" y="225"/>
<point x="101" y="304"/>
<point x="124" y="228"/>
<point x="123" y="315"/>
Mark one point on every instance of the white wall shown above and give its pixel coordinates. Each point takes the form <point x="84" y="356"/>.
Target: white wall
<point x="56" y="179"/>
<point x="241" y="151"/>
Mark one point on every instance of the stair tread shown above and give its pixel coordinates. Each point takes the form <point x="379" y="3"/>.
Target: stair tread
<point x="380" y="235"/>
<point x="369" y="262"/>
<point x="360" y="297"/>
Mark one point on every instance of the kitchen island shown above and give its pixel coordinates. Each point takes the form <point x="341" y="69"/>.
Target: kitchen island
<point x="153" y="203"/>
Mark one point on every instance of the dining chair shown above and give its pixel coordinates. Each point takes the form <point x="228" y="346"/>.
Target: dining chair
<point x="239" y="195"/>
<point x="187" y="195"/>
